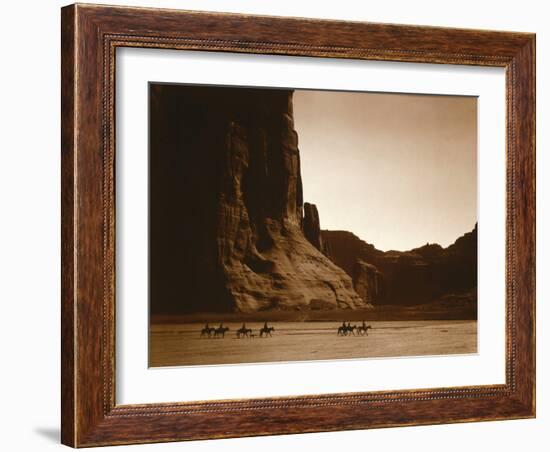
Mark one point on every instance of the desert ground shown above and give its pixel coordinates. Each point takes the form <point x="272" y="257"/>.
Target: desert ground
<point x="180" y="344"/>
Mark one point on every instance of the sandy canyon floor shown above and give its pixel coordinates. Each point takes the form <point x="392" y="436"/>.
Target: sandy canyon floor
<point x="181" y="344"/>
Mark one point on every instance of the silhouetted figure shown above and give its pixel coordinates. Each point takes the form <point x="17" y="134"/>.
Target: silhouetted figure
<point x="342" y="329"/>
<point x="267" y="330"/>
<point x="243" y="331"/>
<point x="207" y="331"/>
<point x="363" y="330"/>
<point x="220" y="331"/>
<point x="346" y="328"/>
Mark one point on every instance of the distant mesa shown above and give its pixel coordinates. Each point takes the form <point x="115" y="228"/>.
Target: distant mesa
<point x="413" y="277"/>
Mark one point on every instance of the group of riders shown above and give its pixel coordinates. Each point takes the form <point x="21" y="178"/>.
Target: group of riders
<point x="219" y="332"/>
<point x="242" y="332"/>
<point x="346" y="329"/>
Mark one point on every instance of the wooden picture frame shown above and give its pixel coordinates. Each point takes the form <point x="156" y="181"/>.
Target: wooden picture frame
<point x="90" y="36"/>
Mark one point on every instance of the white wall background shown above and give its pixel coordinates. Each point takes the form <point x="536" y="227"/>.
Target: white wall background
<point x="30" y="230"/>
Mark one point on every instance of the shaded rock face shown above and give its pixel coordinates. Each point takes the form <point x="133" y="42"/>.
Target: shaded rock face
<point x="413" y="277"/>
<point x="226" y="206"/>
<point x="346" y="249"/>
<point x="368" y="282"/>
<point x="311" y="226"/>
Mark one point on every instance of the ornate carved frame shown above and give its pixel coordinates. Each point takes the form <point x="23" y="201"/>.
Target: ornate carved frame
<point x="90" y="35"/>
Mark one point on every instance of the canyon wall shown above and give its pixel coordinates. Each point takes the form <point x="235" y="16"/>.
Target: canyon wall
<point x="226" y="210"/>
<point x="417" y="276"/>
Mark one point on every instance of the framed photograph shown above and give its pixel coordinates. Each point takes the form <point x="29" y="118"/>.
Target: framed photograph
<point x="282" y="225"/>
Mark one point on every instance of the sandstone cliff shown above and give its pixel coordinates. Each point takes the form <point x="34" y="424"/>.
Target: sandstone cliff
<point x="413" y="277"/>
<point x="227" y="208"/>
<point x="368" y="282"/>
<point x="312" y="226"/>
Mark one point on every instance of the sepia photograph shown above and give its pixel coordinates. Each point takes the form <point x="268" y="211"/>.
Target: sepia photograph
<point x="295" y="225"/>
<point x="276" y="222"/>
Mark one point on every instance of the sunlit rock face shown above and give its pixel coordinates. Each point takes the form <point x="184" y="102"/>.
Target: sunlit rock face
<point x="227" y="212"/>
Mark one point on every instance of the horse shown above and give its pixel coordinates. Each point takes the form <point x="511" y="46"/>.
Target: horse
<point x="351" y="329"/>
<point x="243" y="331"/>
<point x="220" y="331"/>
<point x="266" y="330"/>
<point x="363" y="330"/>
<point x="345" y="329"/>
<point x="207" y="331"/>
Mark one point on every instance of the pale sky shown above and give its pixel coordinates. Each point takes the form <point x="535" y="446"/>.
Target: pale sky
<point x="397" y="170"/>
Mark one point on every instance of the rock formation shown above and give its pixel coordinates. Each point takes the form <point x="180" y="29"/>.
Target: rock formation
<point x="227" y="209"/>
<point x="410" y="277"/>
<point x="368" y="282"/>
<point x="346" y="249"/>
<point x="311" y="226"/>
